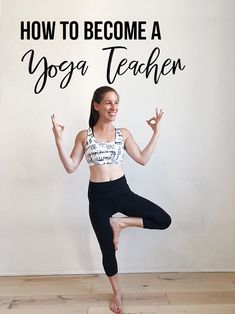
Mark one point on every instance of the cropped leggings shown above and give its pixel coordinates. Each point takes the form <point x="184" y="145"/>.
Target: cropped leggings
<point x="108" y="198"/>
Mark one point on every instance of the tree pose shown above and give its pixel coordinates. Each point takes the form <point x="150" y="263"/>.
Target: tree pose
<point x="108" y="191"/>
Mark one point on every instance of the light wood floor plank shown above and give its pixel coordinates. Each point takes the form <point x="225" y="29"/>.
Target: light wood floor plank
<point x="152" y="283"/>
<point x="46" y="311"/>
<point x="61" y="301"/>
<point x="5" y="302"/>
<point x="11" y="280"/>
<point x="48" y="285"/>
<point x="198" y="275"/>
<point x="130" y="283"/>
<point x="192" y="282"/>
<point x="201" y="297"/>
<point x="170" y="309"/>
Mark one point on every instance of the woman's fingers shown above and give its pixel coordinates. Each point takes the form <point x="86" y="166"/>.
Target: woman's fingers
<point x="53" y="119"/>
<point x="152" y="121"/>
<point x="55" y="124"/>
<point x="153" y="118"/>
<point x="160" y="113"/>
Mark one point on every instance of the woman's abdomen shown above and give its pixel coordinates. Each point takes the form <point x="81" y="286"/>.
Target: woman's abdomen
<point x="103" y="173"/>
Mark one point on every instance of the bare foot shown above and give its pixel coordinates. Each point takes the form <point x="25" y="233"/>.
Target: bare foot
<point x="116" y="304"/>
<point x="115" y="223"/>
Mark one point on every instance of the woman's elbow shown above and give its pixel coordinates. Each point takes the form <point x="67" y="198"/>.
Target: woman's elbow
<point x="70" y="170"/>
<point x="142" y="162"/>
<point x="72" y="167"/>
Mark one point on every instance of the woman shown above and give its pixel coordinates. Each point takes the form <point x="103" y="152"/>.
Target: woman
<point x="108" y="191"/>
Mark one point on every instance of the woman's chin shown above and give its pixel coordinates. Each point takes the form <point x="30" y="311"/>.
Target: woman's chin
<point x="112" y="118"/>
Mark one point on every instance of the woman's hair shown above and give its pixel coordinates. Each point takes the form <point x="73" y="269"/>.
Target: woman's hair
<point x="97" y="97"/>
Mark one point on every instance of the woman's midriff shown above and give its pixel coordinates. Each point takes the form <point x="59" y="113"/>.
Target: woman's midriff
<point x="103" y="173"/>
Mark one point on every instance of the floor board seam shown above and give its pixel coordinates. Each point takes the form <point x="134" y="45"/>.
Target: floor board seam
<point x="167" y="298"/>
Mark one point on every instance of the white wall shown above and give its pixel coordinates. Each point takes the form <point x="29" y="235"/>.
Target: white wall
<point x="44" y="225"/>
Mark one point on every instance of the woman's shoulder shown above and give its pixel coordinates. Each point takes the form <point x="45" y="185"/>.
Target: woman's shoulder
<point x="125" y="132"/>
<point x="81" y="136"/>
<point x="82" y="133"/>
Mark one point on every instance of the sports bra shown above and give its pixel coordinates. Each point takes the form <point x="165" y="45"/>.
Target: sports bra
<point x="102" y="153"/>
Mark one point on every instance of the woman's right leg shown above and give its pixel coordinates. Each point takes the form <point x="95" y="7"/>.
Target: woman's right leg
<point x="100" y="220"/>
<point x="103" y="199"/>
<point x="116" y="303"/>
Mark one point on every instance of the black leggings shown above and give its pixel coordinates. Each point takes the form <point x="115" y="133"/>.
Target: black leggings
<point x="108" y="198"/>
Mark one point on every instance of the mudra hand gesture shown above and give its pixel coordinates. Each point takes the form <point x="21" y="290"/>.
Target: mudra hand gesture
<point x="57" y="129"/>
<point x="154" y="121"/>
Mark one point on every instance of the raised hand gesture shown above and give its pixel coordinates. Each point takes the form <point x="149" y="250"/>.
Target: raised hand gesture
<point x="154" y="122"/>
<point x="57" y="128"/>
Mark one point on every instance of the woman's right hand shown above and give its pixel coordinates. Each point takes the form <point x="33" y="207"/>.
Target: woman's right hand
<point x="57" y="129"/>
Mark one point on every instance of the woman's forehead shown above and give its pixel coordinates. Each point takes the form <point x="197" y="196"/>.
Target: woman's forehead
<point x="110" y="96"/>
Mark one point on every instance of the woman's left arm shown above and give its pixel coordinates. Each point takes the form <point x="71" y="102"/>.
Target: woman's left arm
<point x="133" y="150"/>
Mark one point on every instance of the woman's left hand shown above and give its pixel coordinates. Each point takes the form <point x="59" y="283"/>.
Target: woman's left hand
<point x="154" y="122"/>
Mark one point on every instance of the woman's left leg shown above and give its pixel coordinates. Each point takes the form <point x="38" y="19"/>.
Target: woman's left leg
<point x="134" y="205"/>
<point x="141" y="213"/>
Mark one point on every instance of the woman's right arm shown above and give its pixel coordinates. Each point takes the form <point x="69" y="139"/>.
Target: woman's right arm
<point x="71" y="162"/>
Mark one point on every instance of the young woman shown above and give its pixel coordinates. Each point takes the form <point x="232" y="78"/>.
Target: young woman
<point x="108" y="192"/>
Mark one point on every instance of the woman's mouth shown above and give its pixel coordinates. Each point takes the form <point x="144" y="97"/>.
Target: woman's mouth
<point x="112" y="114"/>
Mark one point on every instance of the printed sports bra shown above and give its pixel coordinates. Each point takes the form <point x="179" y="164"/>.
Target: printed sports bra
<point x="102" y="153"/>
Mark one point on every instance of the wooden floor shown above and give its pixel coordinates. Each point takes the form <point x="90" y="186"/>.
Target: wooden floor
<point x="148" y="293"/>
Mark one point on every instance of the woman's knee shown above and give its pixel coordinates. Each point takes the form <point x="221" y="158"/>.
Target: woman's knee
<point x="166" y="222"/>
<point x="159" y="222"/>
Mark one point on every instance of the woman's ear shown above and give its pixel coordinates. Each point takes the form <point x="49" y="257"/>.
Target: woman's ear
<point x="96" y="106"/>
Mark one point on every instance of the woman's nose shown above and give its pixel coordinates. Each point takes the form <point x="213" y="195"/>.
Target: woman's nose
<point x="114" y="107"/>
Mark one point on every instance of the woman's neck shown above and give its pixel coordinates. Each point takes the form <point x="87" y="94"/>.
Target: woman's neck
<point x="104" y="126"/>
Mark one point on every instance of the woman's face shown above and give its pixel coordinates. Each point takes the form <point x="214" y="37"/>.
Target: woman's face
<point x="108" y="107"/>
